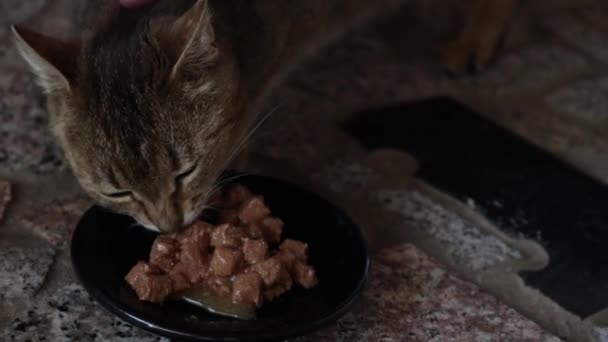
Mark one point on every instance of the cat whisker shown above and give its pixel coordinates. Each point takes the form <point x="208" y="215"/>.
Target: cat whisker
<point x="230" y="179"/>
<point x="243" y="142"/>
<point x="207" y="207"/>
<point x="223" y="182"/>
<point x="217" y="187"/>
<point x="248" y="136"/>
<point x="213" y="190"/>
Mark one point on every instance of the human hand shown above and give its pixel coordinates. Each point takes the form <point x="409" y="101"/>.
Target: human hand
<point x="135" y="3"/>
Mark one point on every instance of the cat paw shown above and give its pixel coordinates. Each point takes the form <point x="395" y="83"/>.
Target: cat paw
<point x="470" y="54"/>
<point x="479" y="42"/>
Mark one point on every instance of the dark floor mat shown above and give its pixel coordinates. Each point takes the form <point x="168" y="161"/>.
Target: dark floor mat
<point x="523" y="189"/>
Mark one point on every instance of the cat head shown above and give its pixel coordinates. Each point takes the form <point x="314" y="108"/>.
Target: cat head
<point x="147" y="110"/>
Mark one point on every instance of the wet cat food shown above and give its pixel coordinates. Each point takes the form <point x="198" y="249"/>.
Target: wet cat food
<point x="242" y="258"/>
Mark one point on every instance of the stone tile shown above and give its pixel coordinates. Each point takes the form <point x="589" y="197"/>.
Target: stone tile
<point x="306" y="145"/>
<point x="528" y="69"/>
<point x="56" y="221"/>
<point x="586" y="100"/>
<point x="6" y="44"/>
<point x="70" y="314"/>
<point x="26" y="142"/>
<point x="359" y="82"/>
<point x="464" y="241"/>
<point x="53" y="24"/>
<point x="596" y="16"/>
<point x="23" y="269"/>
<point x="379" y="64"/>
<point x="576" y="31"/>
<point x="5" y="196"/>
<point x="344" y="174"/>
<point x="411" y="297"/>
<point x="15" y="11"/>
<point x="25" y="139"/>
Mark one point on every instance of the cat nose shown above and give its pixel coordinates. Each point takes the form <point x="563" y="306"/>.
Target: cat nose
<point x="170" y="224"/>
<point x="168" y="219"/>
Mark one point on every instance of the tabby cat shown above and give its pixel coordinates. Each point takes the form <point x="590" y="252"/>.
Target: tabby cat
<point x="154" y="104"/>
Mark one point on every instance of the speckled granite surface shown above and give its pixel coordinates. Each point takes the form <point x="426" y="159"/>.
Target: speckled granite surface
<point x="5" y="196"/>
<point x="23" y="269"/>
<point x="464" y="241"/>
<point x="585" y="99"/>
<point x="26" y="144"/>
<point x="15" y="11"/>
<point x="412" y="297"/>
<point x="69" y="314"/>
<point x="55" y="221"/>
<point x="528" y="68"/>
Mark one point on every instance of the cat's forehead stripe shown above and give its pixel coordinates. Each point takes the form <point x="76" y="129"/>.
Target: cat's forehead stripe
<point x="197" y="91"/>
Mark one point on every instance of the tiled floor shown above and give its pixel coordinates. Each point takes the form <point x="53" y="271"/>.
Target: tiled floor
<point x="443" y="271"/>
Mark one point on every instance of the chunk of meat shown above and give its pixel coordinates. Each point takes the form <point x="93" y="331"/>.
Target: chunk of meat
<point x="228" y="216"/>
<point x="282" y="285"/>
<point x="254" y="251"/>
<point x="142" y="268"/>
<point x="270" y="270"/>
<point x="227" y="235"/>
<point x="235" y="195"/>
<point x="203" y="231"/>
<point x="253" y="231"/>
<point x="247" y="289"/>
<point x="191" y="271"/>
<point x="288" y="259"/>
<point x="149" y="283"/>
<point x="272" y="228"/>
<point x="304" y="275"/>
<point x="164" y="246"/>
<point x="199" y="230"/>
<point x="297" y="248"/>
<point x="232" y="260"/>
<point x="179" y="281"/>
<point x="164" y="253"/>
<point x="192" y="258"/>
<point x="225" y="261"/>
<point x="221" y="286"/>
<point x="253" y="210"/>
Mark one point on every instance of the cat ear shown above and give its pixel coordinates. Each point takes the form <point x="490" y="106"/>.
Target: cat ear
<point x="51" y="60"/>
<point x="192" y="38"/>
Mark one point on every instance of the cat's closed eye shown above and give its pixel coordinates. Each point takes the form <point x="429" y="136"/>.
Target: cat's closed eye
<point x="185" y="175"/>
<point x="119" y="195"/>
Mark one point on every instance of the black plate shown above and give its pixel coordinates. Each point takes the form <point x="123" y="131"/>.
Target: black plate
<point x="105" y="247"/>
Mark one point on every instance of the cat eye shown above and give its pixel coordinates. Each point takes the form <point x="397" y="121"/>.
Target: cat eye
<point x="180" y="177"/>
<point x="119" y="195"/>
